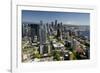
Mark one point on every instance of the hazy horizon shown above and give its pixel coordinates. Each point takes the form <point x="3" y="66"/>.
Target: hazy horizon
<point x="48" y="17"/>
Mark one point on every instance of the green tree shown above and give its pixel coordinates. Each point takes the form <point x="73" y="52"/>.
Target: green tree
<point x="56" y="55"/>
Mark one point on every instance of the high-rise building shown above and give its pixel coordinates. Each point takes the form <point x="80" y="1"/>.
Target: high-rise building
<point x="55" y="24"/>
<point x="33" y="31"/>
<point x="42" y="33"/>
<point x="59" y="31"/>
<point x="42" y="36"/>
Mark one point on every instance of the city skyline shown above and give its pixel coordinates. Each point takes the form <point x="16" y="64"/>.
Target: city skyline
<point x="48" y="36"/>
<point x="48" y="16"/>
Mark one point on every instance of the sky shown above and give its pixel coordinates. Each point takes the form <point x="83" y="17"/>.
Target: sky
<point x="48" y="16"/>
